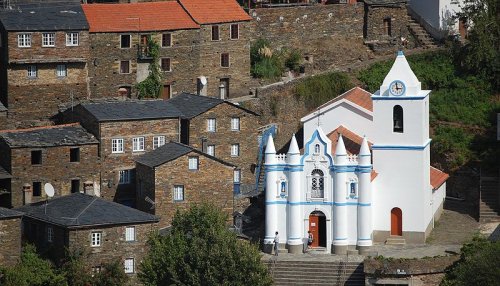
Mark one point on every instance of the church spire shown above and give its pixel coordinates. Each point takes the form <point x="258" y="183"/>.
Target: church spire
<point x="294" y="147"/>
<point x="270" y="152"/>
<point x="364" y="153"/>
<point x="340" y="152"/>
<point x="401" y="71"/>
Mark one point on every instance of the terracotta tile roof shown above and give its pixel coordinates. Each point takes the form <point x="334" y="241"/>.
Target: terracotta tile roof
<point x="144" y="16"/>
<point x="438" y="178"/>
<point x="355" y="95"/>
<point x="215" y="11"/>
<point x="352" y="141"/>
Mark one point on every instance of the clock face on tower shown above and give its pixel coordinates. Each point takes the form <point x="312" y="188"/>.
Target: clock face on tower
<point x="397" y="87"/>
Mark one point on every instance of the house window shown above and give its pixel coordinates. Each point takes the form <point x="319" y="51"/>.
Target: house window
<point x="124" y="41"/>
<point x="61" y="71"/>
<point x="317" y="184"/>
<point x="48" y="39"/>
<point x="72" y="39"/>
<point x="130" y="233"/>
<point x="387" y="26"/>
<point x="235" y="124"/>
<point x="224" y="60"/>
<point x="235" y="32"/>
<point x="211" y="125"/>
<point x="165" y="64"/>
<point x="50" y="234"/>
<point x="36" y="157"/>
<point x="166" y="40"/>
<point x="126" y="177"/>
<point x="236" y="176"/>
<point x="215" y="33"/>
<point x="138" y="144"/>
<point x="235" y="150"/>
<point x="96" y="239"/>
<point x="124" y="67"/>
<point x="397" y="117"/>
<point x="193" y="163"/>
<point x="211" y="150"/>
<point x="24" y="40"/>
<point x="74" y="155"/>
<point x="129" y="265"/>
<point x="158" y="141"/>
<point x="75" y="186"/>
<point x="117" y="145"/>
<point x="37" y="189"/>
<point x="178" y="193"/>
<point x="32" y="71"/>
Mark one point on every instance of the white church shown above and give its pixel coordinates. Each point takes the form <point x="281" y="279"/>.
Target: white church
<point x="364" y="175"/>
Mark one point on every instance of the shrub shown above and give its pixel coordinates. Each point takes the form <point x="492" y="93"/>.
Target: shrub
<point x="293" y="60"/>
<point x="317" y="90"/>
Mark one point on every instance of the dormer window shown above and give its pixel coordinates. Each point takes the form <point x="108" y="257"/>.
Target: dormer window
<point x="316" y="149"/>
<point x="397" y="117"/>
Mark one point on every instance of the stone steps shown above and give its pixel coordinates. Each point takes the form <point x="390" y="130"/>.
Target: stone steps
<point x="395" y="240"/>
<point x="421" y="35"/>
<point x="316" y="273"/>
<point x="488" y="204"/>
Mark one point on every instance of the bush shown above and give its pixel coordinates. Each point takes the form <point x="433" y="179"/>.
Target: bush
<point x="265" y="63"/>
<point x="453" y="144"/>
<point x="317" y="90"/>
<point x="293" y="60"/>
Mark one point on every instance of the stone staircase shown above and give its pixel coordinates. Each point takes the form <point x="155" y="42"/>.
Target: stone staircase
<point x="395" y="240"/>
<point x="316" y="272"/>
<point x="422" y="37"/>
<point x="488" y="203"/>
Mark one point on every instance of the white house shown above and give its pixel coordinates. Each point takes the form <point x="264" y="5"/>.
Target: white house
<point x="437" y="16"/>
<point x="364" y="175"/>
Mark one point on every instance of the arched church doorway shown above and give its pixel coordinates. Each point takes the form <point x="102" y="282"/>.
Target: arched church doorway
<point x="317" y="226"/>
<point x="396" y="222"/>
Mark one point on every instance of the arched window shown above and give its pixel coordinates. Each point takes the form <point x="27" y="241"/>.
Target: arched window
<point x="317" y="184"/>
<point x="397" y="117"/>
<point x="316" y="149"/>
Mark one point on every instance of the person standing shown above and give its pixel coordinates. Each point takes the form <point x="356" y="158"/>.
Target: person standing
<point x="276" y="243"/>
<point x="310" y="239"/>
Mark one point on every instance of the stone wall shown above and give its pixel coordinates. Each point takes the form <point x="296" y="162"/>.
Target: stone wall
<point x="386" y="24"/>
<point x="113" y="163"/>
<point x="106" y="55"/>
<point x="211" y="183"/>
<point x="10" y="236"/>
<point x="56" y="169"/>
<point x="224" y="137"/>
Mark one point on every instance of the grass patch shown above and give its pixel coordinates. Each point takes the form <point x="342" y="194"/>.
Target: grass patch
<point x="317" y="90"/>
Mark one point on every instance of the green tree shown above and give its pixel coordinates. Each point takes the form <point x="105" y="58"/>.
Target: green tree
<point x="31" y="271"/>
<point x="479" y="54"/>
<point x="478" y="265"/>
<point x="151" y="86"/>
<point x="111" y="275"/>
<point x="200" y="250"/>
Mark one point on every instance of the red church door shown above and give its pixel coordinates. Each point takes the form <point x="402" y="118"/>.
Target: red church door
<point x="396" y="222"/>
<point x="314" y="229"/>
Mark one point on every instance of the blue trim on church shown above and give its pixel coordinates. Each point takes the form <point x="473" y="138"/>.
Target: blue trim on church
<point x="338" y="204"/>
<point x="401" y="147"/>
<point x="306" y="149"/>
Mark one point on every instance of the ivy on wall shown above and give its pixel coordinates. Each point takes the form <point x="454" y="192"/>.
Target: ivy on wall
<point x="151" y="87"/>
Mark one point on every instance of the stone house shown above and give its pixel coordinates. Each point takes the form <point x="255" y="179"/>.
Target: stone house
<point x="120" y="35"/>
<point x="175" y="176"/>
<point x="224" y="46"/>
<point x="102" y="231"/>
<point x="43" y="59"/>
<point x="125" y="130"/>
<point x="386" y="21"/>
<point x="10" y="236"/>
<point x="65" y="156"/>
<point x="221" y="129"/>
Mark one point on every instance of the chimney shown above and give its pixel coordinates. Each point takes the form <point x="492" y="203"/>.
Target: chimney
<point x="88" y="188"/>
<point x="28" y="194"/>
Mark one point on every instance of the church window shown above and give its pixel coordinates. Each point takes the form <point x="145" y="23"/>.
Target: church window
<point x="282" y="188"/>
<point x="316" y="149"/>
<point x="317" y="184"/>
<point x="397" y="116"/>
<point x="352" y="189"/>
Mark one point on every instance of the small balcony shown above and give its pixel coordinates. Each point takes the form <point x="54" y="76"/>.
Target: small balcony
<point x="143" y="52"/>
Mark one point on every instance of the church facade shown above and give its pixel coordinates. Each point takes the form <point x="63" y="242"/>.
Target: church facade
<point x="364" y="174"/>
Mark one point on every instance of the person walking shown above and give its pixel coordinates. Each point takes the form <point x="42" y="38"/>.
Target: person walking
<point x="276" y="242"/>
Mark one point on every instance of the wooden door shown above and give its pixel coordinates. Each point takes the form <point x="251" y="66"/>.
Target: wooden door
<point x="396" y="222"/>
<point x="314" y="229"/>
<point x="165" y="93"/>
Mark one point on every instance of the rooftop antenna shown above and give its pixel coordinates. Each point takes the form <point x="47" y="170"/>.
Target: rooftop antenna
<point x="49" y="191"/>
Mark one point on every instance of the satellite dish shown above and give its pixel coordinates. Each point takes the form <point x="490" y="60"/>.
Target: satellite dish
<point x="49" y="190"/>
<point x="203" y="80"/>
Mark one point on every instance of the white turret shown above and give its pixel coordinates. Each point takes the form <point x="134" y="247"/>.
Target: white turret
<point x="294" y="209"/>
<point x="271" y="193"/>
<point x="340" y="241"/>
<point x="365" y="227"/>
<point x="401" y="70"/>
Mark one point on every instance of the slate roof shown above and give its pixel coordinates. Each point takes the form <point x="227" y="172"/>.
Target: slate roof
<point x="8" y="213"/>
<point x="149" y="16"/>
<point x="170" y="152"/>
<point x="192" y="105"/>
<point x="4" y="174"/>
<point x="44" y="17"/>
<point x="215" y="11"/>
<point x="131" y="110"/>
<point x="48" y="136"/>
<point x="80" y="210"/>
